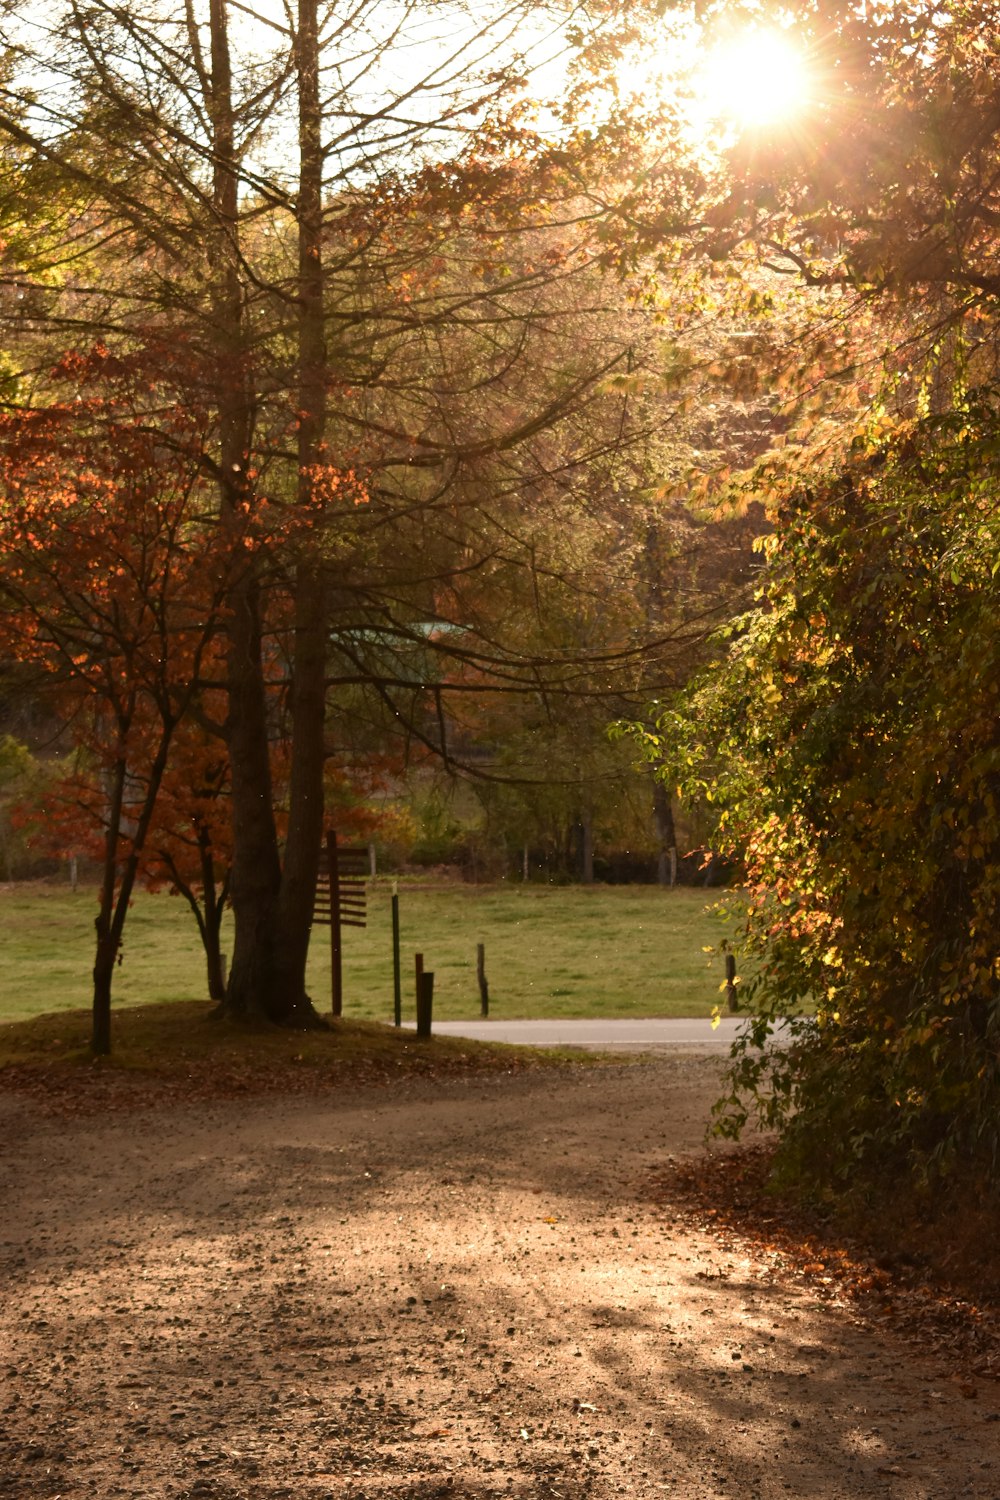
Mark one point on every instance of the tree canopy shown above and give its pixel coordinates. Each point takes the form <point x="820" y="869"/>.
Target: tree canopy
<point x="379" y="287"/>
<point x="846" y="735"/>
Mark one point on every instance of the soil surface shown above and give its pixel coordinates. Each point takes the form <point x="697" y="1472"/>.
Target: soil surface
<point x="446" y="1289"/>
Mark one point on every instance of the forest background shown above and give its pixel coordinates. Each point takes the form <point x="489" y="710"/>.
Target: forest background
<point x="374" y="424"/>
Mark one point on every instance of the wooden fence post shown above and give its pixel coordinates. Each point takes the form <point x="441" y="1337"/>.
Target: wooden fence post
<point x="425" y="1002"/>
<point x="336" y="947"/>
<point x="484" y="989"/>
<point x="397" y="994"/>
<point x="731" y="999"/>
<point x="418" y="964"/>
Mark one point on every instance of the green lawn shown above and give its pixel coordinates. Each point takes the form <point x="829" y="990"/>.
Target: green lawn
<point x="550" y="951"/>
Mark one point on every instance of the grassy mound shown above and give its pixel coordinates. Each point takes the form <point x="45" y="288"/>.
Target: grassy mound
<point x="180" y="1050"/>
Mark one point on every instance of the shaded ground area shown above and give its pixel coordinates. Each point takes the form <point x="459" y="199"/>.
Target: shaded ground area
<point x="448" y="1288"/>
<point x="179" y="1053"/>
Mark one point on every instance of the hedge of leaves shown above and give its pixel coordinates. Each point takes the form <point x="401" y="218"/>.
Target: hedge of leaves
<point x="849" y="736"/>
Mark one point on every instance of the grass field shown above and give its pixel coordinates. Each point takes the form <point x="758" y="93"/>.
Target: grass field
<point x="550" y="951"/>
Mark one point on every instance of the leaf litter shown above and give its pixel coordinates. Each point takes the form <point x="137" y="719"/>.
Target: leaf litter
<point x="729" y="1195"/>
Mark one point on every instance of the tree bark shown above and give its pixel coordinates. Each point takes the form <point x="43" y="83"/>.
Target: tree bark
<point x="103" y="972"/>
<point x="308" y="687"/>
<point x="107" y="941"/>
<point x="211" y="924"/>
<point x="273" y="901"/>
<point x="116" y="893"/>
<point x="586" y="827"/>
<point x="256" y="872"/>
<point x="207" y="911"/>
<point x="663" y="814"/>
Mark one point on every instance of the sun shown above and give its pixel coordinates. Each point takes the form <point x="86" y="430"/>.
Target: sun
<point x="756" y="79"/>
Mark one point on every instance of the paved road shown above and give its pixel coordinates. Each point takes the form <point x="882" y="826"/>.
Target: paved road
<point x="654" y="1034"/>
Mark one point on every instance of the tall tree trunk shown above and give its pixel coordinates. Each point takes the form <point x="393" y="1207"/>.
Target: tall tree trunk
<point x="663" y="814"/>
<point x="273" y="905"/>
<point x="256" y="873"/>
<point x="116" y="893"/>
<point x="215" y="974"/>
<point x="308" y="688"/>
<point x="211" y="924"/>
<point x="107" y="942"/>
<point x="586" y="867"/>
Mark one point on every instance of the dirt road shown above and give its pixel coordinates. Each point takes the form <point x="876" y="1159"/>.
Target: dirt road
<point x="454" y="1290"/>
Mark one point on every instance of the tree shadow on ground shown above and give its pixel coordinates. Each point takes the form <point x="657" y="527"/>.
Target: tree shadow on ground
<point x="460" y="1292"/>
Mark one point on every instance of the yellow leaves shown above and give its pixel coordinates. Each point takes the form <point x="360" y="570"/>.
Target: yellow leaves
<point x="634" y="383"/>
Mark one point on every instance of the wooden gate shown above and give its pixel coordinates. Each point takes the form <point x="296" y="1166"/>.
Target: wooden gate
<point x="341" y="901"/>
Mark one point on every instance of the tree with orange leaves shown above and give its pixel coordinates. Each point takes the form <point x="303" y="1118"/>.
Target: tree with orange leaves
<point x="110" y="594"/>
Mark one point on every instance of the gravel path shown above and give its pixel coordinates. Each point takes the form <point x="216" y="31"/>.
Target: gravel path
<point x="449" y="1290"/>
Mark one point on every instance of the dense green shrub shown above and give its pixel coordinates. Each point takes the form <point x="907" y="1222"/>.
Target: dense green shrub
<point x="849" y="736"/>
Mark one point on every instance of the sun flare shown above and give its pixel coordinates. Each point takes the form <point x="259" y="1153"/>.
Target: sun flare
<point x="757" y="79"/>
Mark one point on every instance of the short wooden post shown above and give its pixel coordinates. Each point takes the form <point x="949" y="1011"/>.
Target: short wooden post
<point x="397" y="991"/>
<point x="425" y="1002"/>
<point x="372" y="864"/>
<point x="484" y="989"/>
<point x="731" y="999"/>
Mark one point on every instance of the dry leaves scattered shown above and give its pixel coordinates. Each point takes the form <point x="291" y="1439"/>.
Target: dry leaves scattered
<point x="729" y="1195"/>
<point x="167" y="1054"/>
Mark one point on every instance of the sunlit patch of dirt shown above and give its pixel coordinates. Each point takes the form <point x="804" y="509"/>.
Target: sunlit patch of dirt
<point x="881" y="1271"/>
